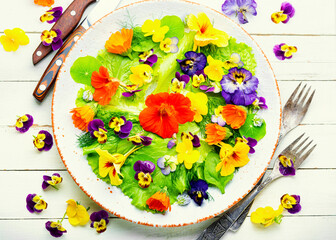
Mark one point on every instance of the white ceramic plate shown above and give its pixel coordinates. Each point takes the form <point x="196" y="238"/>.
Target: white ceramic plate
<point x="111" y="198"/>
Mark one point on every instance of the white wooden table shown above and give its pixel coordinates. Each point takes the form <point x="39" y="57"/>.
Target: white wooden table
<point x="312" y="30"/>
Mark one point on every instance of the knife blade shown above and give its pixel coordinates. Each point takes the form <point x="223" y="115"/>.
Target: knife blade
<point x="66" y="23"/>
<point x="102" y="8"/>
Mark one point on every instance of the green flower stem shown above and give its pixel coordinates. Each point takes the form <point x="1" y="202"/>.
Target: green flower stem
<point x="63" y="218"/>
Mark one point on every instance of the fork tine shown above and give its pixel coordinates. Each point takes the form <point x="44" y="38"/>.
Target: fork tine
<point x="290" y="146"/>
<point x="290" y="99"/>
<point x="300" y="145"/>
<point x="304" y="148"/>
<point x="306" y="106"/>
<point x="300" y="94"/>
<point x="299" y="161"/>
<point x="305" y="96"/>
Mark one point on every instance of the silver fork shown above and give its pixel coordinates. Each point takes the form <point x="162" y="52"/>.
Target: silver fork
<point x="296" y="152"/>
<point x="293" y="114"/>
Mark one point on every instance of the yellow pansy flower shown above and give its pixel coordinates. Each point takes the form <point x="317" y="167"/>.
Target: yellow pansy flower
<point x="199" y="105"/>
<point x="186" y="153"/>
<point x="214" y="70"/>
<point x="206" y="33"/>
<point x="77" y="213"/>
<point x="266" y="216"/>
<point x="141" y="74"/>
<point x="278" y="17"/>
<point x="197" y="80"/>
<point x="13" y="39"/>
<point x="289" y="50"/>
<point x="154" y="29"/>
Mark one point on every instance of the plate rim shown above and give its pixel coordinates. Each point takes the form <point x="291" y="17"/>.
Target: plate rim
<point x="197" y="220"/>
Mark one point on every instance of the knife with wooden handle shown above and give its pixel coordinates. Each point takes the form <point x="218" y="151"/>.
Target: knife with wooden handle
<point x="66" y="23"/>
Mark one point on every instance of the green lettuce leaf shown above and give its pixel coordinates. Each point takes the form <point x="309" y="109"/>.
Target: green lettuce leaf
<point x="176" y="26"/>
<point x="249" y="130"/>
<point x="83" y="68"/>
<point x="140" y="43"/>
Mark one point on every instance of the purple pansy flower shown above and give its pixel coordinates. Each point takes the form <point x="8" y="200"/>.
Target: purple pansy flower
<point x="239" y="87"/>
<point x="52" y="15"/>
<point x="143" y="171"/>
<point x="291" y="203"/>
<point x="207" y="88"/>
<point x="282" y="51"/>
<point x="131" y="90"/>
<point x="55" y="229"/>
<point x="138" y="140"/>
<point x="172" y="142"/>
<point x="51" y="180"/>
<point x="23" y="123"/>
<point x="167" y="164"/>
<point x="148" y="57"/>
<point x="194" y="139"/>
<point x="287" y="9"/>
<point x="99" y="221"/>
<point x="43" y="141"/>
<point x="260" y="103"/>
<point x="97" y="130"/>
<point x="179" y="82"/>
<point x="35" y="203"/>
<point x="251" y="142"/>
<point x="286" y="166"/>
<point x="194" y="62"/>
<point x="240" y="8"/>
<point x="53" y="38"/>
<point x="121" y="126"/>
<point x="198" y="190"/>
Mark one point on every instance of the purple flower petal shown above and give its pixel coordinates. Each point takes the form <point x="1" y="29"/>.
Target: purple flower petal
<point x="57" y="44"/>
<point x="166" y="170"/>
<point x="295" y="209"/>
<point x="287" y="171"/>
<point x="230" y="7"/>
<point x="288" y="9"/>
<point x="161" y="162"/>
<point x="146" y="141"/>
<point x="171" y="144"/>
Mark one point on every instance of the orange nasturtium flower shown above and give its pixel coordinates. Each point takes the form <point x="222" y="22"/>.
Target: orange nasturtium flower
<point x="105" y="87"/>
<point x="120" y="42"/>
<point x="81" y="117"/>
<point x="159" y="201"/>
<point x="44" y="3"/>
<point x="234" y="115"/>
<point x="216" y="133"/>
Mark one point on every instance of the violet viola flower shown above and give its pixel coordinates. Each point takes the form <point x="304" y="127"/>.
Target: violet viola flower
<point x="51" y="180"/>
<point x="167" y="164"/>
<point x="131" y="90"/>
<point x="97" y="130"/>
<point x="23" y="123"/>
<point x="172" y="142"/>
<point x="240" y="8"/>
<point x="194" y="139"/>
<point x="52" y="15"/>
<point x="53" y="38"/>
<point x="194" y="62"/>
<point x="35" y="203"/>
<point x="55" y="229"/>
<point x="251" y="142"/>
<point x="148" y="57"/>
<point x="121" y="126"/>
<point x="282" y="51"/>
<point x="291" y="203"/>
<point x="43" y="141"/>
<point x="143" y="171"/>
<point x="179" y="82"/>
<point x="198" y="192"/>
<point x="260" y="103"/>
<point x="239" y="87"/>
<point x="99" y="220"/>
<point x="138" y="140"/>
<point x="286" y="166"/>
<point x="287" y="11"/>
<point x="198" y="78"/>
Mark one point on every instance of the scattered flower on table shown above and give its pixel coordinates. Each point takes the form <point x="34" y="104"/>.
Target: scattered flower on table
<point x="55" y="229"/>
<point x="234" y="61"/>
<point x="193" y="63"/>
<point x="291" y="203"/>
<point x="167" y="164"/>
<point x="97" y="130"/>
<point x="179" y="82"/>
<point x="154" y="29"/>
<point x="141" y="74"/>
<point x="259" y="103"/>
<point x="121" y="126"/>
<point x="35" y="203"/>
<point x="198" y="191"/>
<point x="199" y="105"/>
<point x="24" y="122"/>
<point x="214" y="70"/>
<point x="282" y="51"/>
<point x="164" y="109"/>
<point x="131" y="90"/>
<point x="172" y="142"/>
<point x="159" y="201"/>
<point x="52" y="180"/>
<point x="216" y="133"/>
<point x="104" y="85"/>
<point x="239" y="87"/>
<point x="52" y="15"/>
<point x="267" y="216"/>
<point x="43" y="141"/>
<point x="240" y="8"/>
<point x="286" y="166"/>
<point x="143" y="171"/>
<point x="169" y="45"/>
<point x="81" y="117"/>
<point x="138" y="140"/>
<point x="186" y="153"/>
<point x="234" y="115"/>
<point x="120" y="42"/>
<point x="192" y="137"/>
<point x="232" y="157"/>
<point x="99" y="220"/>
<point x="53" y="38"/>
<point x="87" y="96"/>
<point x="183" y="199"/>
<point x="148" y="57"/>
<point x="44" y="3"/>
<point x="218" y="117"/>
<point x="251" y="142"/>
<point x="287" y="11"/>
<point x="13" y="39"/>
<point x="76" y="213"/>
<point x="205" y="32"/>
<point x="198" y="78"/>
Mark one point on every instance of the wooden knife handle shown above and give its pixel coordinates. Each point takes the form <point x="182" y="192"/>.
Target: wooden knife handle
<point x="50" y="74"/>
<point x="67" y="23"/>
